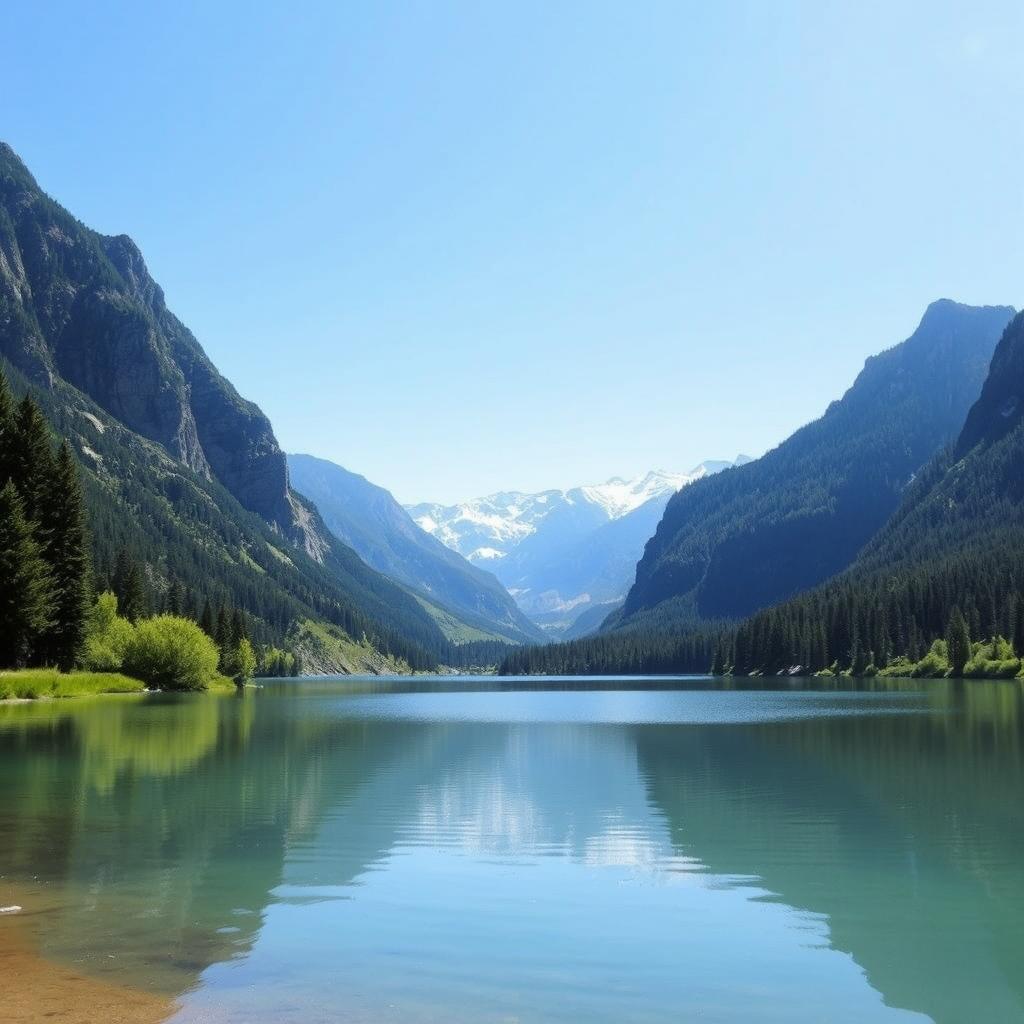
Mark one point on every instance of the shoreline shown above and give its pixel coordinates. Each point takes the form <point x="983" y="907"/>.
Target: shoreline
<point x="36" y="989"/>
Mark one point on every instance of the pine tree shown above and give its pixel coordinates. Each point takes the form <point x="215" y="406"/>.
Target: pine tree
<point x="239" y="627"/>
<point x="1018" y="629"/>
<point x="129" y="585"/>
<point x="24" y="582"/>
<point x="32" y="461"/>
<point x="206" y="621"/>
<point x="718" y="665"/>
<point x="223" y="639"/>
<point x="172" y="603"/>
<point x="66" y="554"/>
<point x="6" y="431"/>
<point x="858" y="657"/>
<point x="958" y="643"/>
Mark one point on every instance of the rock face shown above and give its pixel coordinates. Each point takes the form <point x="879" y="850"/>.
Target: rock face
<point x="82" y="306"/>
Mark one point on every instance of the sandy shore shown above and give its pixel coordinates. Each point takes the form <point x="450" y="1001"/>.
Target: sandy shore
<point x="35" y="990"/>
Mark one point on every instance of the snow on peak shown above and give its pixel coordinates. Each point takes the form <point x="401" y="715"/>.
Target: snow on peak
<point x="619" y="497"/>
<point x="486" y="529"/>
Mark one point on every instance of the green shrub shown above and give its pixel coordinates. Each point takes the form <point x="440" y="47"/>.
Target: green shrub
<point x="993" y="659"/>
<point x="107" y="636"/>
<point x="901" y="667"/>
<point x="935" y="664"/>
<point x="171" y="653"/>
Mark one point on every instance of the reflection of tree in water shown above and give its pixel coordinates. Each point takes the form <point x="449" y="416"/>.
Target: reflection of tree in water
<point x="905" y="830"/>
<point x="163" y="822"/>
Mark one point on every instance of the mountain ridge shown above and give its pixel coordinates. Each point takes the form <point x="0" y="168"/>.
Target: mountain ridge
<point x="955" y="546"/>
<point x="368" y="519"/>
<point x="731" y="544"/>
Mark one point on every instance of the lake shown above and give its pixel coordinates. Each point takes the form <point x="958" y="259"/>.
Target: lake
<point x="487" y="850"/>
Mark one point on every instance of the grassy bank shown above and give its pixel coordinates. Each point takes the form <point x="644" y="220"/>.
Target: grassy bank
<point x="44" y="682"/>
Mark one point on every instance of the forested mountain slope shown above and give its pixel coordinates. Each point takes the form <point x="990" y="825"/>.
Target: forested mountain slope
<point x="370" y="521"/>
<point x="180" y="470"/>
<point x="754" y="535"/>
<point x="955" y="544"/>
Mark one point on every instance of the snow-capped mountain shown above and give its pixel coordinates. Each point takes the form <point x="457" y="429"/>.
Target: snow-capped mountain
<point x="561" y="553"/>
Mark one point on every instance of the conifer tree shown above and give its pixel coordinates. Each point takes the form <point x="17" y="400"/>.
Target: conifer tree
<point x="206" y="621"/>
<point x="62" y="520"/>
<point x="1018" y="628"/>
<point x="858" y="657"/>
<point x="958" y="643"/>
<point x="32" y="461"/>
<point x="6" y="431"/>
<point x="172" y="603"/>
<point x="222" y="638"/>
<point x="718" y="665"/>
<point x="24" y="582"/>
<point x="128" y="584"/>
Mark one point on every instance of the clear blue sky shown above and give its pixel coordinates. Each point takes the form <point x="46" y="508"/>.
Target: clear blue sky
<point x="465" y="247"/>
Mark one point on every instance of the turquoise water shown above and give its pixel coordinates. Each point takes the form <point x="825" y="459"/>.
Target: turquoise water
<point x="523" y="850"/>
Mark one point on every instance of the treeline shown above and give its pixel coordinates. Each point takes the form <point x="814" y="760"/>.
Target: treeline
<point x="876" y="620"/>
<point x="636" y="652"/>
<point x="862" y="623"/>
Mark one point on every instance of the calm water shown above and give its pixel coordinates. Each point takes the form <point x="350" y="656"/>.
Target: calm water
<point x="481" y="851"/>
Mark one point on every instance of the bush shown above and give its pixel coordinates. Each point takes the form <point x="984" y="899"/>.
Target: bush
<point x="993" y="659"/>
<point x="935" y="664"/>
<point x="902" y="666"/>
<point x="171" y="653"/>
<point x="107" y="636"/>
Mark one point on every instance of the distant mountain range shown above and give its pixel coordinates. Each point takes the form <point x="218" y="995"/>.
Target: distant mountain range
<point x="566" y="554"/>
<point x="368" y="519"/>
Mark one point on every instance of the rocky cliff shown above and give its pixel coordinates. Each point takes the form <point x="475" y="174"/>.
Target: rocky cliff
<point x="82" y="306"/>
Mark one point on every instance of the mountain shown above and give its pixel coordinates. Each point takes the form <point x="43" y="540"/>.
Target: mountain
<point x="756" y="534"/>
<point x="955" y="543"/>
<point x="370" y="521"/>
<point x="560" y="553"/>
<point x="178" y="469"/>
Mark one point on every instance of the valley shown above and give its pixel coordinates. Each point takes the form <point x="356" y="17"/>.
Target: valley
<point x="751" y="565"/>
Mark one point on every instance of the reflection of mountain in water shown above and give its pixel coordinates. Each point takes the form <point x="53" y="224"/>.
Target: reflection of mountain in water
<point x="905" y="830"/>
<point x="495" y="789"/>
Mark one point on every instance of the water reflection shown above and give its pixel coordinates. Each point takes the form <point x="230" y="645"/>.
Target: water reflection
<point x="386" y="851"/>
